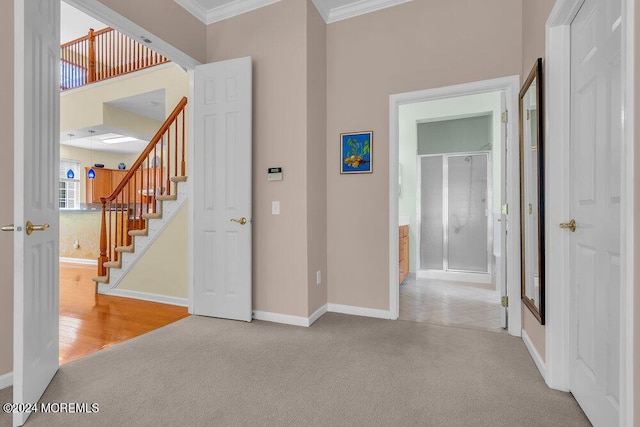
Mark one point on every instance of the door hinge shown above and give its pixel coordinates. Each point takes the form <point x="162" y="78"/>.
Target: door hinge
<point x="505" y="302"/>
<point x="505" y="117"/>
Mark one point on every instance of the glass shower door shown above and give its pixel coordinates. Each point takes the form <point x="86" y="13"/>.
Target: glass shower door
<point x="467" y="213"/>
<point x="454" y="198"/>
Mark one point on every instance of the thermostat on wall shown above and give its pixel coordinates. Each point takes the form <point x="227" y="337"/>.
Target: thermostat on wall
<point x="275" y="174"/>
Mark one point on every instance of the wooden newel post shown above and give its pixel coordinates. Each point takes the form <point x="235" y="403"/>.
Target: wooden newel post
<point x="102" y="271"/>
<point x="91" y="77"/>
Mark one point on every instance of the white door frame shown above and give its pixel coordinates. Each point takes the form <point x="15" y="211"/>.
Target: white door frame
<point x="511" y="85"/>
<point x="133" y="30"/>
<point x="558" y="126"/>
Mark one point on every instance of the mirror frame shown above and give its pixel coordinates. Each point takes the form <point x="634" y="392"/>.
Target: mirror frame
<point x="538" y="311"/>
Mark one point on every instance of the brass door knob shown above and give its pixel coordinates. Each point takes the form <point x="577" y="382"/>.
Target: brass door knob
<point x="571" y="225"/>
<point x="241" y="221"/>
<point x="30" y="228"/>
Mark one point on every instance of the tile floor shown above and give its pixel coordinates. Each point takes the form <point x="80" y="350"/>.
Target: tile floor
<point x="460" y="304"/>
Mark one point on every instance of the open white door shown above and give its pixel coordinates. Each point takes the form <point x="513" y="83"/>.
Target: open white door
<point x="36" y="154"/>
<point x="500" y="241"/>
<point x="222" y="190"/>
<point x="595" y="189"/>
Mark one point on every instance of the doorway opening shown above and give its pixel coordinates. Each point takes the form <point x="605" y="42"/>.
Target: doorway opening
<point x="453" y="153"/>
<point x="104" y="126"/>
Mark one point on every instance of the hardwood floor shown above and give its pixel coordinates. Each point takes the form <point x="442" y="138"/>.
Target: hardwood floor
<point x="90" y="322"/>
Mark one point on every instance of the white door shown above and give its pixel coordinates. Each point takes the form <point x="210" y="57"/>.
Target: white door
<point x="500" y="228"/>
<point x="37" y="92"/>
<point x="222" y="190"/>
<point x="595" y="188"/>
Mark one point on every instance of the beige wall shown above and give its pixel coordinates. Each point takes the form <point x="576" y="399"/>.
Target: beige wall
<point x="6" y="190"/>
<point x="84" y="107"/>
<point x="417" y="45"/>
<point x="167" y="20"/>
<point x="316" y="157"/>
<point x="163" y="269"/>
<point x="534" y="17"/>
<point x="275" y="37"/>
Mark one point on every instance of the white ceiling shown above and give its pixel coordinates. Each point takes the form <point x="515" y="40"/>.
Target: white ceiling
<point x="210" y="11"/>
<point x="149" y="104"/>
<point x="82" y="138"/>
<point x="75" y="24"/>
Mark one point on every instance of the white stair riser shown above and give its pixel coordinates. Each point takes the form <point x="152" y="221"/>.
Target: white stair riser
<point x="141" y="243"/>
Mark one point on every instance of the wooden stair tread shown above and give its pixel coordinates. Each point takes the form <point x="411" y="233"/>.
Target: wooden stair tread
<point x="178" y="179"/>
<point x="113" y="264"/>
<point x="142" y="232"/>
<point x="128" y="249"/>
<point x="101" y="279"/>
<point x="165" y="197"/>
<point x="155" y="215"/>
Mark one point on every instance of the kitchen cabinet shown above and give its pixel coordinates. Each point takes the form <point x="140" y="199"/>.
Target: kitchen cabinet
<point x="403" y="256"/>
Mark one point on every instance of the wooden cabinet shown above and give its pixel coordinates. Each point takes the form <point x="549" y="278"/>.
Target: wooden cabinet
<point x="103" y="184"/>
<point x="403" y="256"/>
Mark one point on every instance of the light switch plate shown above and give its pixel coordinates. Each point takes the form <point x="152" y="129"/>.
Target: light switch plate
<point x="275" y="207"/>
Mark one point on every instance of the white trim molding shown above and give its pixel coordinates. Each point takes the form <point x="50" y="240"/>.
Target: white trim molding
<point x="317" y="314"/>
<point x="6" y="380"/>
<point x="220" y="13"/>
<point x="558" y="121"/>
<point x="145" y="296"/>
<point x="511" y="86"/>
<point x="238" y="7"/>
<point x="359" y="311"/>
<point x="537" y="359"/>
<point x="357" y="8"/>
<point x="83" y="261"/>
<point x="286" y="319"/>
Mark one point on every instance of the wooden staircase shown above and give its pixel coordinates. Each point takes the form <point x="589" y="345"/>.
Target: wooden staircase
<point x="144" y="202"/>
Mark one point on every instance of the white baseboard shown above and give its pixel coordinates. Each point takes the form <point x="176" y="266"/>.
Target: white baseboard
<point x="455" y="276"/>
<point x="79" y="260"/>
<point x="317" y="314"/>
<point x="6" y="380"/>
<point x="145" y="296"/>
<point x="286" y="319"/>
<point x="359" y="311"/>
<point x="542" y="367"/>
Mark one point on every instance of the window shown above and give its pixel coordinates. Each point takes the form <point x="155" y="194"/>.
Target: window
<point x="71" y="75"/>
<point x="68" y="188"/>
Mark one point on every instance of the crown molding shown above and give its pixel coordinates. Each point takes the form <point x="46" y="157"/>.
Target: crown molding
<point x="238" y="7"/>
<point x="359" y="8"/>
<point x="209" y="16"/>
<point x="322" y="10"/>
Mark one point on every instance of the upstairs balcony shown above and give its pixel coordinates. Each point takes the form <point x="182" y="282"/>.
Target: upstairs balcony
<point x="101" y="55"/>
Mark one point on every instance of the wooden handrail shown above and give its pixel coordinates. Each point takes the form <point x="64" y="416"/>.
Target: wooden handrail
<point x="143" y="156"/>
<point x="136" y="194"/>
<point x="101" y="55"/>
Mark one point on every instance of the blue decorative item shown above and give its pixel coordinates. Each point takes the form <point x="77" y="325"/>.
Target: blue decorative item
<point x="356" y="154"/>
<point x="122" y="166"/>
<point x="70" y="174"/>
<point x="91" y="174"/>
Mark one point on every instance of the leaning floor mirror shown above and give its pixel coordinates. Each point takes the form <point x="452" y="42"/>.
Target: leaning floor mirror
<point x="532" y="192"/>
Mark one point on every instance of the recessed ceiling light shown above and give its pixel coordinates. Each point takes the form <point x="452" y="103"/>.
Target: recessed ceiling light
<point x="119" y="140"/>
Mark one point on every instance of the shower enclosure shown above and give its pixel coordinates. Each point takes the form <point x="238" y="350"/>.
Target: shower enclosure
<point x="454" y="192"/>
